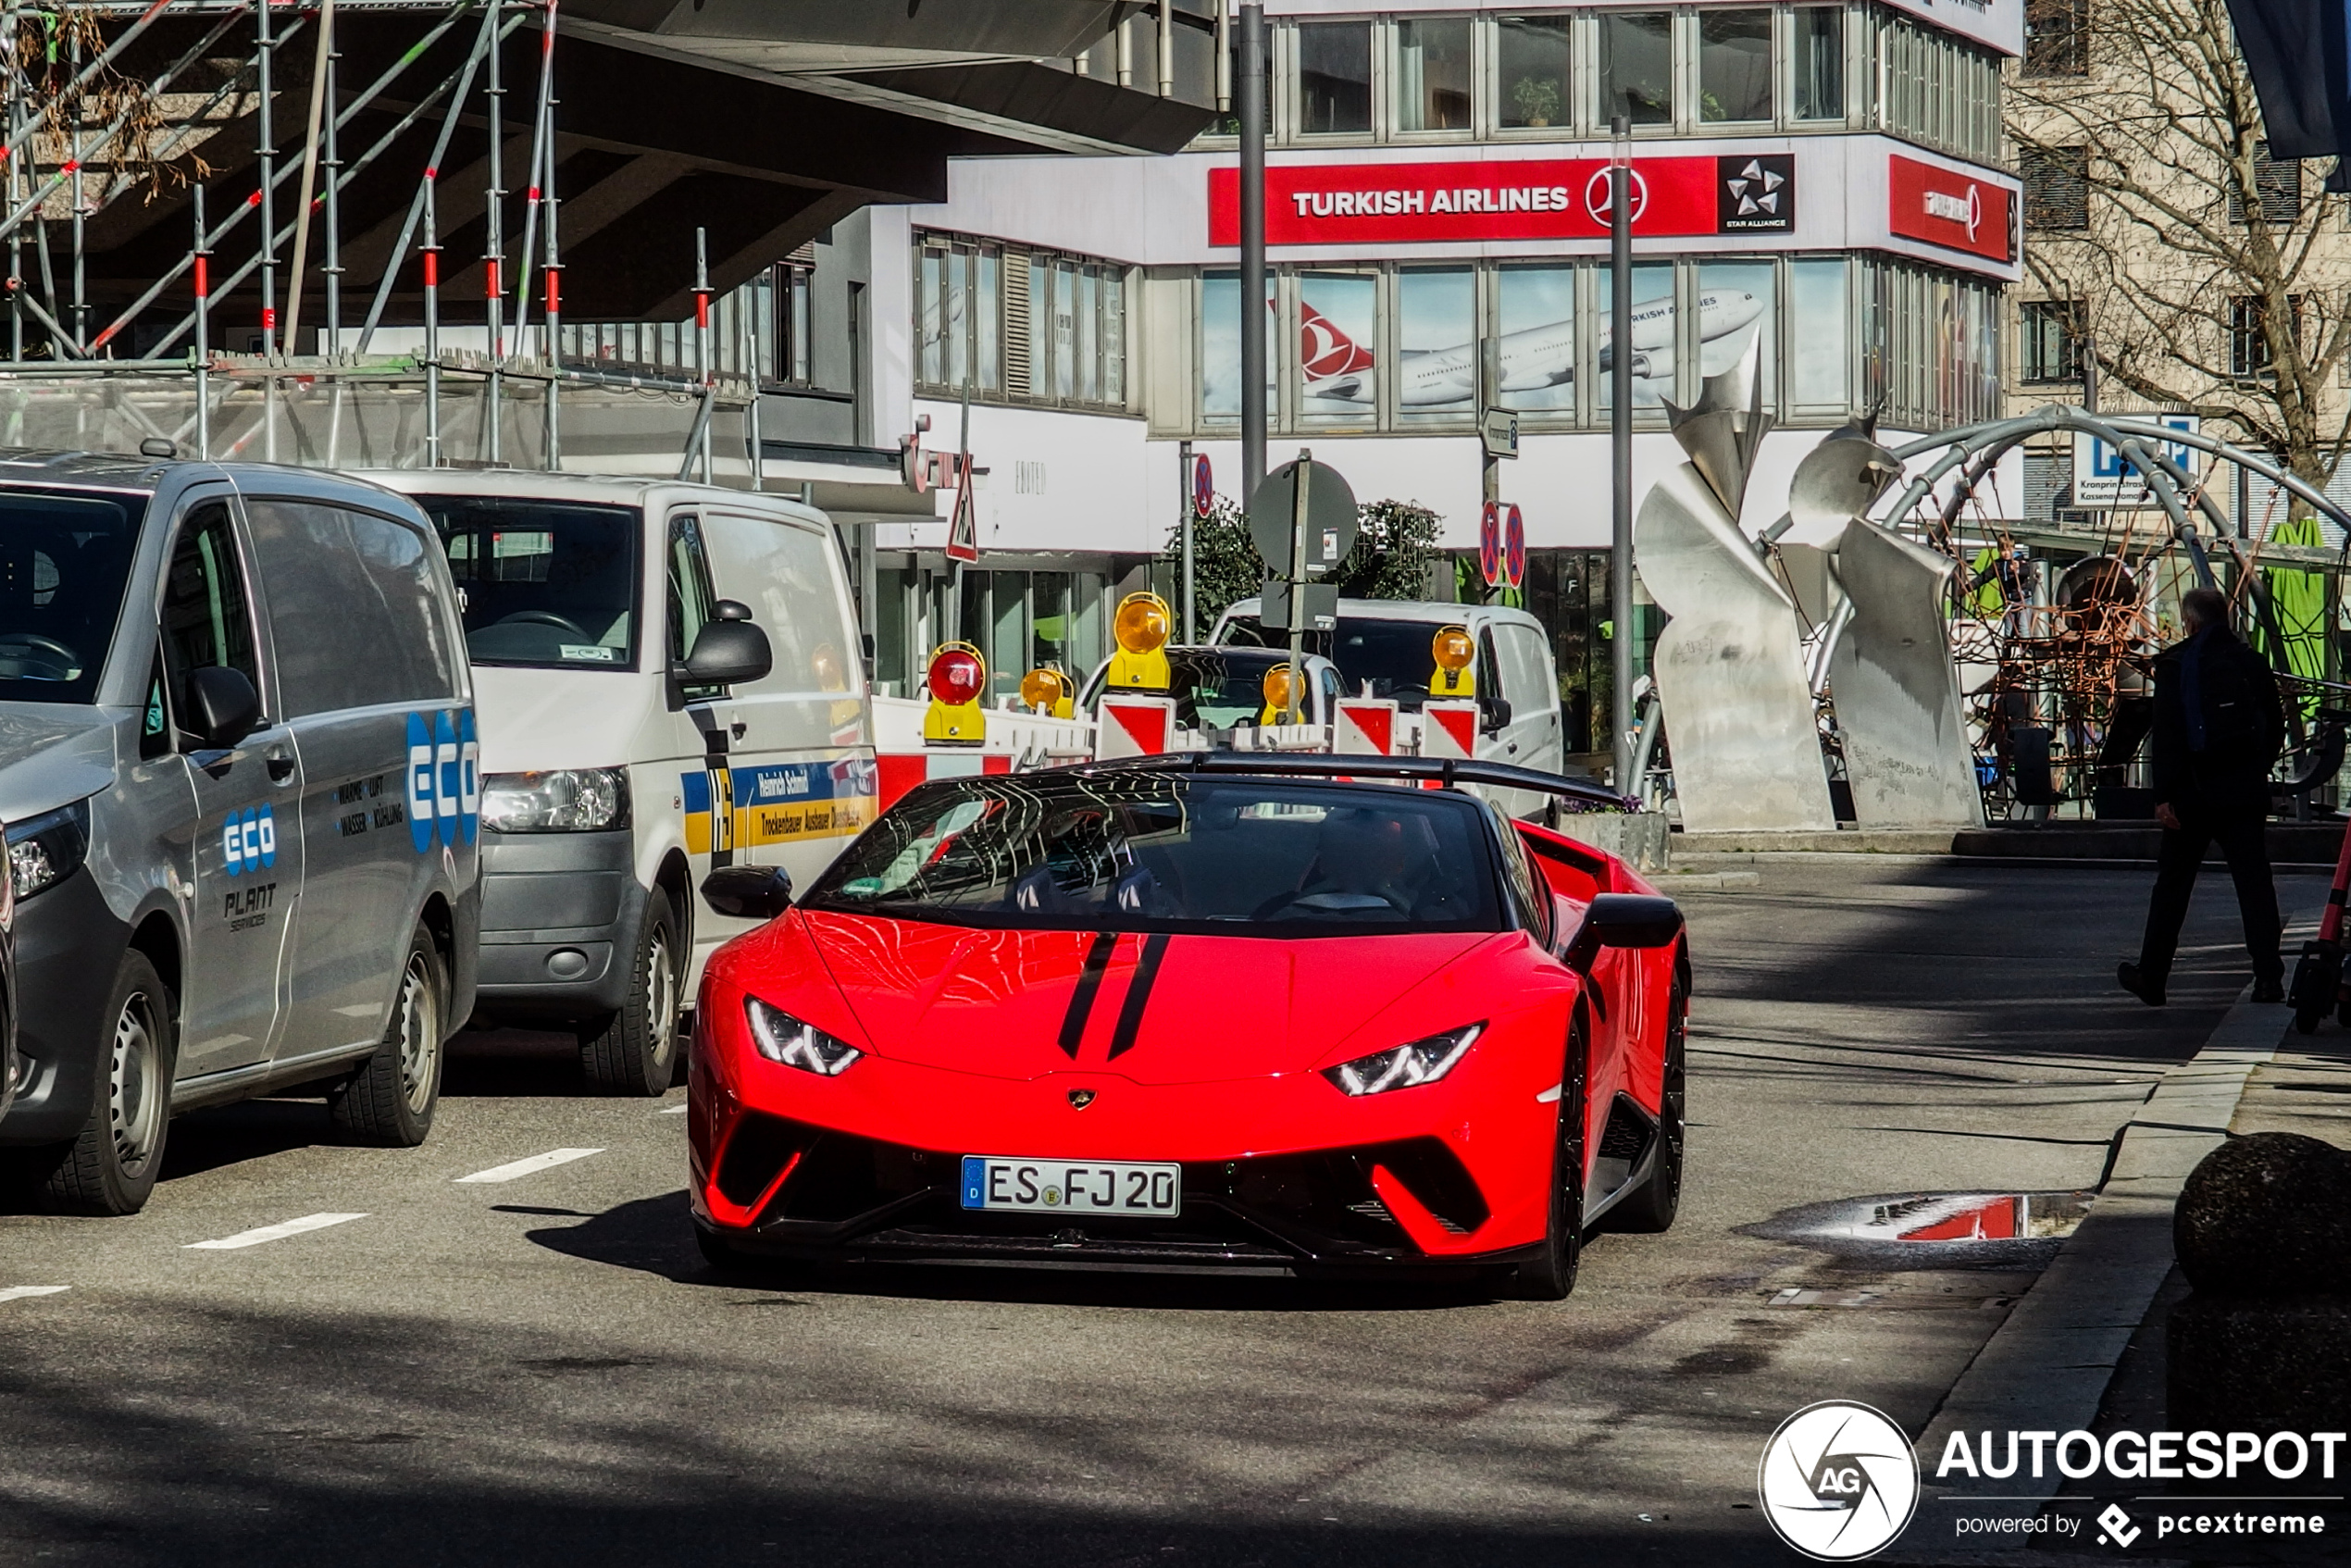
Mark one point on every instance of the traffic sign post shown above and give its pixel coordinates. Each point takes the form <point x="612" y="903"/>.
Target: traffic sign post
<point x="1303" y="522"/>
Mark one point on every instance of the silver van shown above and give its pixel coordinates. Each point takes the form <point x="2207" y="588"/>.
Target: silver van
<point x="239" y="771"/>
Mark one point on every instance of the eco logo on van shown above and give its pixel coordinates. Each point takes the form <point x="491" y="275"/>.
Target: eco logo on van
<point x="444" y="780"/>
<point x="249" y="842"/>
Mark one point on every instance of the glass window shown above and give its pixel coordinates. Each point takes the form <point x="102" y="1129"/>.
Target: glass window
<point x="989" y="373"/>
<point x="1652" y="335"/>
<point x="1065" y="332"/>
<point x="1820" y="62"/>
<point x="1817" y="351"/>
<point x="64" y="563"/>
<point x="956" y="315"/>
<point x="1041" y="322"/>
<point x="927" y="298"/>
<point x="546" y="584"/>
<point x="803" y="338"/>
<point x="1113" y="336"/>
<point x="1338" y="325"/>
<point x="2057" y="187"/>
<point x="2047" y="328"/>
<point x="206" y="620"/>
<point x="691" y="600"/>
<point x="1220" y="345"/>
<point x="1088" y="322"/>
<point x="1538" y="350"/>
<point x="1735" y="64"/>
<point x="1436" y="346"/>
<point x="2057" y="37"/>
<point x="1334" y="78"/>
<point x="1636" y="66"/>
<point x="1534" y="77"/>
<point x="1735" y="308"/>
<point x="342" y="581"/>
<point x="1432" y="74"/>
<point x="784" y="573"/>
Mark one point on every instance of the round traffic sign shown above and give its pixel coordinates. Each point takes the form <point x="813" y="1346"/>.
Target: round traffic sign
<point x="1330" y="518"/>
<point x="1489" y="545"/>
<point x="1203" y="487"/>
<point x="1513" y="546"/>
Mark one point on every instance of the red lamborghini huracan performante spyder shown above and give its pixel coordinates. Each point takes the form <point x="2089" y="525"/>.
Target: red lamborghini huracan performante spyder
<point x="1223" y="1010"/>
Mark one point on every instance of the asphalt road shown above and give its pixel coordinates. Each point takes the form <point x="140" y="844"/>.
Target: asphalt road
<point x="539" y="1370"/>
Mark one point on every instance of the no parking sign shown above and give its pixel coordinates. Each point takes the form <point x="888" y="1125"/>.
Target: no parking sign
<point x="1203" y="486"/>
<point x="1513" y="547"/>
<point x="1489" y="545"/>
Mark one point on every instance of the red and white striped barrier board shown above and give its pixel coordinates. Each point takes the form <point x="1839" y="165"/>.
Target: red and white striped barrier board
<point x="1365" y="724"/>
<point x="1448" y="730"/>
<point x="1135" y="727"/>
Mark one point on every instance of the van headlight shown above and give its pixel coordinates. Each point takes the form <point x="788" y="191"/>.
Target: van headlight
<point x="575" y="799"/>
<point x="45" y="850"/>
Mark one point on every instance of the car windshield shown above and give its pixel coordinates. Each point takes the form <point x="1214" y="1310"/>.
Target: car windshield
<point x="1119" y="851"/>
<point x="64" y="560"/>
<point x="1220" y="687"/>
<point x="1393" y="656"/>
<point x="550" y="584"/>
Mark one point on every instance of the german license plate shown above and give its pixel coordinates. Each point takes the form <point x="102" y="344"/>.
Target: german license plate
<point x="1089" y="1186"/>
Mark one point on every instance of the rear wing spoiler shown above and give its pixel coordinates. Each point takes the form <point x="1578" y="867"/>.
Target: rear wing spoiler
<point x="1442" y="772"/>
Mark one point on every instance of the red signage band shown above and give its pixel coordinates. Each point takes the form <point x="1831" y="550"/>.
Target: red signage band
<point x="1486" y="199"/>
<point x="1950" y="208"/>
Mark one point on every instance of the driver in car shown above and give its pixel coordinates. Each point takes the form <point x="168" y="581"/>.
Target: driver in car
<point x="1364" y="862"/>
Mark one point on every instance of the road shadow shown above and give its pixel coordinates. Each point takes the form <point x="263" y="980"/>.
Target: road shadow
<point x="250" y="1130"/>
<point x="655" y="1235"/>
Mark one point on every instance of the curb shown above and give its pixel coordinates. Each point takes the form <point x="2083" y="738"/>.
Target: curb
<point x="2048" y="1365"/>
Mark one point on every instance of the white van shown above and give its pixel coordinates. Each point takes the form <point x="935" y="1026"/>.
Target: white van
<point x="669" y="680"/>
<point x="1382" y="650"/>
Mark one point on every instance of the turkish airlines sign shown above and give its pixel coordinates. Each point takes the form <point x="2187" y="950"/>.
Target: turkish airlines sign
<point x="1310" y="204"/>
<point x="1950" y="208"/>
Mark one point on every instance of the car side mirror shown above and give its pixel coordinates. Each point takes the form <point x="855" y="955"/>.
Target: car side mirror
<point x="748" y="892"/>
<point x="1624" y="920"/>
<point x="1496" y="713"/>
<point x="726" y="652"/>
<point x="223" y="708"/>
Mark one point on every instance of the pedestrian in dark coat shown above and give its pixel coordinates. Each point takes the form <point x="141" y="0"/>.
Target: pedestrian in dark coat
<point x="2219" y="727"/>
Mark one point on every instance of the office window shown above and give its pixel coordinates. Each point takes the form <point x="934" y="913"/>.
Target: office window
<point x="2277" y="185"/>
<point x="1636" y="66"/>
<point x="796" y="347"/>
<point x="1653" y="335"/>
<point x="2044" y="329"/>
<point x="1532" y="75"/>
<point x="2056" y="187"/>
<point x="1536" y="357"/>
<point x="1437" y="345"/>
<point x="1334" y="78"/>
<point x="2057" y="37"/>
<point x="1735" y="64"/>
<point x="1432" y="74"/>
<point x="1736" y="308"/>
<point x="1820" y="343"/>
<point x="1220" y="346"/>
<point x="1338" y="334"/>
<point x="2249" y="354"/>
<point x="1027" y="327"/>
<point x="1819" y="40"/>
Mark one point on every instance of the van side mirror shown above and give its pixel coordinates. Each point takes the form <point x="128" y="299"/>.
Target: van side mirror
<point x="748" y="892"/>
<point x="1497" y="713"/>
<point x="1624" y="920"/>
<point x="727" y="652"/>
<point x="223" y="708"/>
<point x="730" y="610"/>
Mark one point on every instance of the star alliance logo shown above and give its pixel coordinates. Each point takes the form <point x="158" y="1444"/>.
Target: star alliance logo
<point x="1838" y="1481"/>
<point x="1755" y="194"/>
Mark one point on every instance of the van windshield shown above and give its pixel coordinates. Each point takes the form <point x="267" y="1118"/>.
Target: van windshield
<point x="1393" y="656"/>
<point x="64" y="559"/>
<point x="545" y="583"/>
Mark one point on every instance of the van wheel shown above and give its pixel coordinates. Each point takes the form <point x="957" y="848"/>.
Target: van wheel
<point x="1549" y="1276"/>
<point x="388" y="1103"/>
<point x="636" y="1051"/>
<point x="112" y="1167"/>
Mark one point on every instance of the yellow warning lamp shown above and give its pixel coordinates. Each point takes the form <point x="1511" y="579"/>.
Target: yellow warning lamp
<point x="1141" y="627"/>
<point x="956" y="676"/>
<point x="1048" y="691"/>
<point x="1279" y="689"/>
<point x="1456" y="658"/>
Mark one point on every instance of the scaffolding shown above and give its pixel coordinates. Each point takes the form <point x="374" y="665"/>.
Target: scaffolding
<point x="83" y="133"/>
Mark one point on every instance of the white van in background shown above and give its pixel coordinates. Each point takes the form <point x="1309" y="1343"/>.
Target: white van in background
<point x="1381" y="648"/>
<point x="669" y="680"/>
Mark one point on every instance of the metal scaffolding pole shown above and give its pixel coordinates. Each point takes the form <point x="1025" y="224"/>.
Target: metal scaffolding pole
<point x="701" y="347"/>
<point x="203" y="331"/>
<point x="493" y="255"/>
<point x="430" y="253"/>
<point x="266" y="151"/>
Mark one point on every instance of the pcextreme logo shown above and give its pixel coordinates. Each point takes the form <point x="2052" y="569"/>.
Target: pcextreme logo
<point x="1838" y="1481"/>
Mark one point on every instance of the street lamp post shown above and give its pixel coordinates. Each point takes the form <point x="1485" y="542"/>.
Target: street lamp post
<point x="1619" y="330"/>
<point x="1251" y="107"/>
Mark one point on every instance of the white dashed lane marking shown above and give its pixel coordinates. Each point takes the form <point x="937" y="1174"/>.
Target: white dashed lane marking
<point x="272" y="1232"/>
<point x="18" y="1292"/>
<point x="526" y="1167"/>
<point x="672" y="1111"/>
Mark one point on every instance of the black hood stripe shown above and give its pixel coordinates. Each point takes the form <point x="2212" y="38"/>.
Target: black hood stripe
<point x="1138" y="995"/>
<point x="1081" y="1001"/>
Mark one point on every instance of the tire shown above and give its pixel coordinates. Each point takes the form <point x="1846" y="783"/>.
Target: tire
<point x="388" y="1103"/>
<point x="112" y="1167"/>
<point x="1550" y="1275"/>
<point x="636" y="1051"/>
<point x="1651" y="1210"/>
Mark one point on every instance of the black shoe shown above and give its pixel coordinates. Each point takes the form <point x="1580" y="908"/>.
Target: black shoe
<point x="2138" y="985"/>
<point x="2269" y="991"/>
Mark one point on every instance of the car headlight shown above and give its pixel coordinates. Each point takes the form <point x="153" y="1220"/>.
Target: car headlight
<point x="574" y="800"/>
<point x="1423" y="1062"/>
<point x="44" y="850"/>
<point x="785" y="1038"/>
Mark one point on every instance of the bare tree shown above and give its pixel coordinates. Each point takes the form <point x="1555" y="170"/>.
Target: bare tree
<point x="2201" y="275"/>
